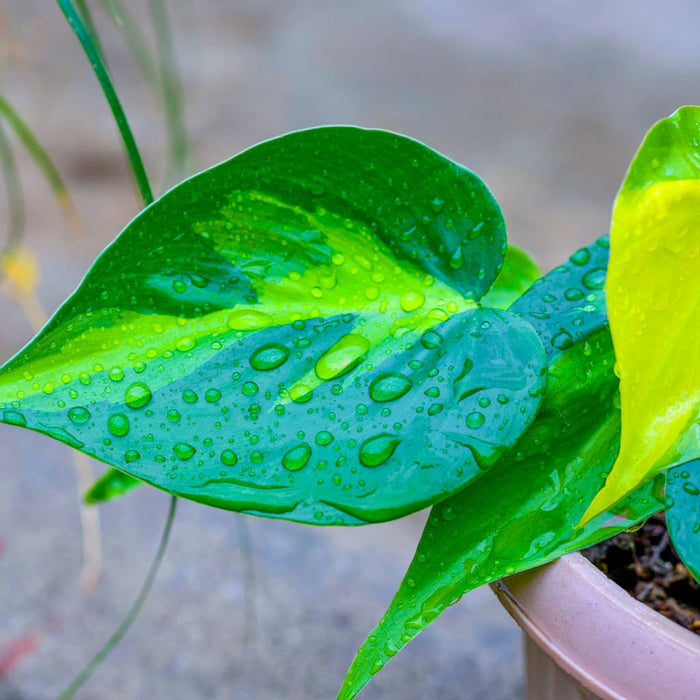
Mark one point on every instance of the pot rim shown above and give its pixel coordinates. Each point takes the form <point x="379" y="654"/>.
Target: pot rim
<point x="618" y="645"/>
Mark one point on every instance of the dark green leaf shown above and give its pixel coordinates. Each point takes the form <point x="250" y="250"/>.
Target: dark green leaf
<point x="282" y="335"/>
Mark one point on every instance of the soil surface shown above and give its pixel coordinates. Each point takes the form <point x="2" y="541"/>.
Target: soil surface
<point x="646" y="564"/>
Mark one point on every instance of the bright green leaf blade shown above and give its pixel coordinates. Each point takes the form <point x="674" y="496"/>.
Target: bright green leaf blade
<point x="521" y="513"/>
<point x="518" y="273"/>
<point x="653" y="295"/>
<point x="683" y="513"/>
<point x="262" y="338"/>
<point x="111" y="485"/>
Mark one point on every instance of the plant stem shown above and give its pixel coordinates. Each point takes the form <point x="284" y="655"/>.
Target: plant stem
<point x="133" y="613"/>
<point x="41" y="158"/>
<point x="171" y="90"/>
<point x="15" y="203"/>
<point x="91" y="51"/>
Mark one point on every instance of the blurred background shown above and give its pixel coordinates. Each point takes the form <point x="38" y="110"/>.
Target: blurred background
<point x="547" y="101"/>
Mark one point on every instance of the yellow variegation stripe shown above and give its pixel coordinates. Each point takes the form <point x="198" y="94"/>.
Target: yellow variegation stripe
<point x="653" y="294"/>
<point x="361" y="276"/>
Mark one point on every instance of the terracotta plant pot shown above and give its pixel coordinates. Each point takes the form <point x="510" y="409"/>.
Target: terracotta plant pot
<point x="588" y="638"/>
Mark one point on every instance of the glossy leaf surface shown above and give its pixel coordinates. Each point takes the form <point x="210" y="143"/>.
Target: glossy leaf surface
<point x="683" y="513"/>
<point x="653" y="295"/>
<point x="518" y="273"/>
<point x="293" y="333"/>
<point x="522" y="513"/>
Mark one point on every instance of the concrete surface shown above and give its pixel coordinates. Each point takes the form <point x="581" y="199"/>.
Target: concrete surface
<point x="547" y="101"/>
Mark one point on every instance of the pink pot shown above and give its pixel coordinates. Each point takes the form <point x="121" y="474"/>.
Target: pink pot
<point x="588" y="638"/>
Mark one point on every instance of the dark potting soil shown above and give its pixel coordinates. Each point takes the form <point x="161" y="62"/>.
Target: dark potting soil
<point x="646" y="565"/>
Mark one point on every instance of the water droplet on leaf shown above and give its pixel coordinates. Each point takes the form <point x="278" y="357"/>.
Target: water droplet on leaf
<point x="79" y="414"/>
<point x="183" y="450"/>
<point x="268" y="357"/>
<point x="297" y="457"/>
<point x="389" y="387"/>
<point x="118" y="424"/>
<point x="137" y="395"/>
<point x="377" y="450"/>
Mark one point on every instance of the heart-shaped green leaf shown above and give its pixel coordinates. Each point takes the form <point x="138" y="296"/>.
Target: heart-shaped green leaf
<point x="653" y="296"/>
<point x="294" y="333"/>
<point x="518" y="273"/>
<point x="522" y="513"/>
<point x="683" y="513"/>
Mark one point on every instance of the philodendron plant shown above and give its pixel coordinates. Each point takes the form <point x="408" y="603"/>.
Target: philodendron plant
<point x="330" y="328"/>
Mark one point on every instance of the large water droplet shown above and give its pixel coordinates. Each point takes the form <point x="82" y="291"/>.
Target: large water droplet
<point x="249" y="389"/>
<point x="131" y="456"/>
<point x="324" y="437"/>
<point x="301" y="393"/>
<point x="185" y="343"/>
<point x="431" y="340"/>
<point x="376" y="450"/>
<point x="79" y="414"/>
<point x="691" y="489"/>
<point x="595" y="279"/>
<point x="342" y="357"/>
<point x="212" y="395"/>
<point x="173" y="415"/>
<point x="137" y="395"/>
<point x="188" y="396"/>
<point x="580" y="257"/>
<point x="116" y="374"/>
<point x="183" y="450"/>
<point x="229" y="458"/>
<point x="412" y="300"/>
<point x="297" y="457"/>
<point x="475" y="419"/>
<point x="269" y="357"/>
<point x="456" y="260"/>
<point x="389" y="387"/>
<point x="118" y="424"/>
<point x="248" y="320"/>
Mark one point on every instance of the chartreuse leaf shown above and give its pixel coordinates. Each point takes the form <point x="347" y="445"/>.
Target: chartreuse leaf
<point x="522" y="512"/>
<point x="518" y="273"/>
<point x="653" y="295"/>
<point x="683" y="513"/>
<point x="294" y="333"/>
